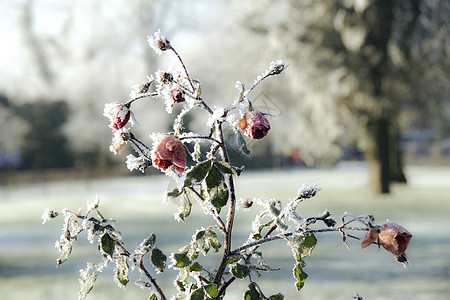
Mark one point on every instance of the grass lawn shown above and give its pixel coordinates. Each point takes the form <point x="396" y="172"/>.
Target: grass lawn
<point x="27" y="253"/>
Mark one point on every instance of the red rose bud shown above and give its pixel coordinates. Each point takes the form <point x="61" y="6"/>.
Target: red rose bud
<point x="121" y="117"/>
<point x="170" y="153"/>
<point x="177" y="95"/>
<point x="255" y="125"/>
<point x="394" y="238"/>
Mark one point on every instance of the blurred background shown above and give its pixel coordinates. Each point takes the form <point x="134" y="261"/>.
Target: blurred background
<point x="364" y="101"/>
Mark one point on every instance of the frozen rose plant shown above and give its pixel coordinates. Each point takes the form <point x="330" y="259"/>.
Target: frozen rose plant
<point x="208" y="181"/>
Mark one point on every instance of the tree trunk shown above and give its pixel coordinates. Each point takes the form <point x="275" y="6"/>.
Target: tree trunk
<point x="377" y="155"/>
<point x="395" y="155"/>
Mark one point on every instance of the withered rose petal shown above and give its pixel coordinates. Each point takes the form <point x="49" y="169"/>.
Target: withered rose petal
<point x="394" y="238"/>
<point x="370" y="237"/>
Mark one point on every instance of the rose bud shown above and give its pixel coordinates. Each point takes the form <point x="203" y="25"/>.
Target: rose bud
<point x="177" y="95"/>
<point x="394" y="238"/>
<point x="170" y="153"/>
<point x="121" y="117"/>
<point x="255" y="125"/>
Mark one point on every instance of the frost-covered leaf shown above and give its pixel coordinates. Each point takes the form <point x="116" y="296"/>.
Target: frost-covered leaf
<point x="299" y="275"/>
<point x="226" y="168"/>
<point x="240" y="271"/>
<point x="198" y="294"/>
<point x="198" y="173"/>
<point x="107" y="245"/>
<point x="122" y="270"/>
<point x="153" y="297"/>
<point x="205" y="239"/>
<point x="305" y="244"/>
<point x="174" y="193"/>
<point x="86" y="285"/>
<point x="65" y="251"/>
<point x="159" y="259"/>
<point x="217" y="188"/>
<point x="276" y="297"/>
<point x="146" y="245"/>
<point x="184" y="208"/>
<point x="242" y="144"/>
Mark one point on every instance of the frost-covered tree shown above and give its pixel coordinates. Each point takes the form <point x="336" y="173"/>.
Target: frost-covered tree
<point x="361" y="67"/>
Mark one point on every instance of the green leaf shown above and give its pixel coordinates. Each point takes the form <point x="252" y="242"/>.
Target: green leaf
<point x="153" y="297"/>
<point x="233" y="259"/>
<point x="122" y="270"/>
<point x="217" y="188"/>
<point x="240" y="271"/>
<point x="107" y="244"/>
<point x="260" y="228"/>
<point x="182" y="259"/>
<point x="212" y="290"/>
<point x="252" y="293"/>
<point x="277" y="297"/>
<point x="198" y="173"/>
<point x="196" y="267"/>
<point x="158" y="259"/>
<point x="305" y="245"/>
<point x="226" y="168"/>
<point x="198" y="294"/>
<point x="300" y="276"/>
<point x="242" y="144"/>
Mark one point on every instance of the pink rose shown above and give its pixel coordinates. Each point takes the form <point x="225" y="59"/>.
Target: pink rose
<point x="255" y="125"/>
<point x="170" y="153"/>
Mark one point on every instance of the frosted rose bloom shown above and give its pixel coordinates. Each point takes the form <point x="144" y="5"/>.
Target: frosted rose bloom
<point x="394" y="238"/>
<point x="255" y="125"/>
<point x="158" y="42"/>
<point x="170" y="153"/>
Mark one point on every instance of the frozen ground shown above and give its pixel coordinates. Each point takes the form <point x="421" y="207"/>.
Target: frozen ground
<point x="27" y="255"/>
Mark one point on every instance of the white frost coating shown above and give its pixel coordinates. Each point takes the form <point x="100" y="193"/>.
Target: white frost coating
<point x="93" y="205"/>
<point x="118" y="143"/>
<point x="135" y="163"/>
<point x="153" y="41"/>
<point x="217" y="115"/>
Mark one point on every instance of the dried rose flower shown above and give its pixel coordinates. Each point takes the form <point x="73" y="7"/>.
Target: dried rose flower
<point x="170" y="153"/>
<point x="255" y="125"/>
<point x="177" y="95"/>
<point x="394" y="238"/>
